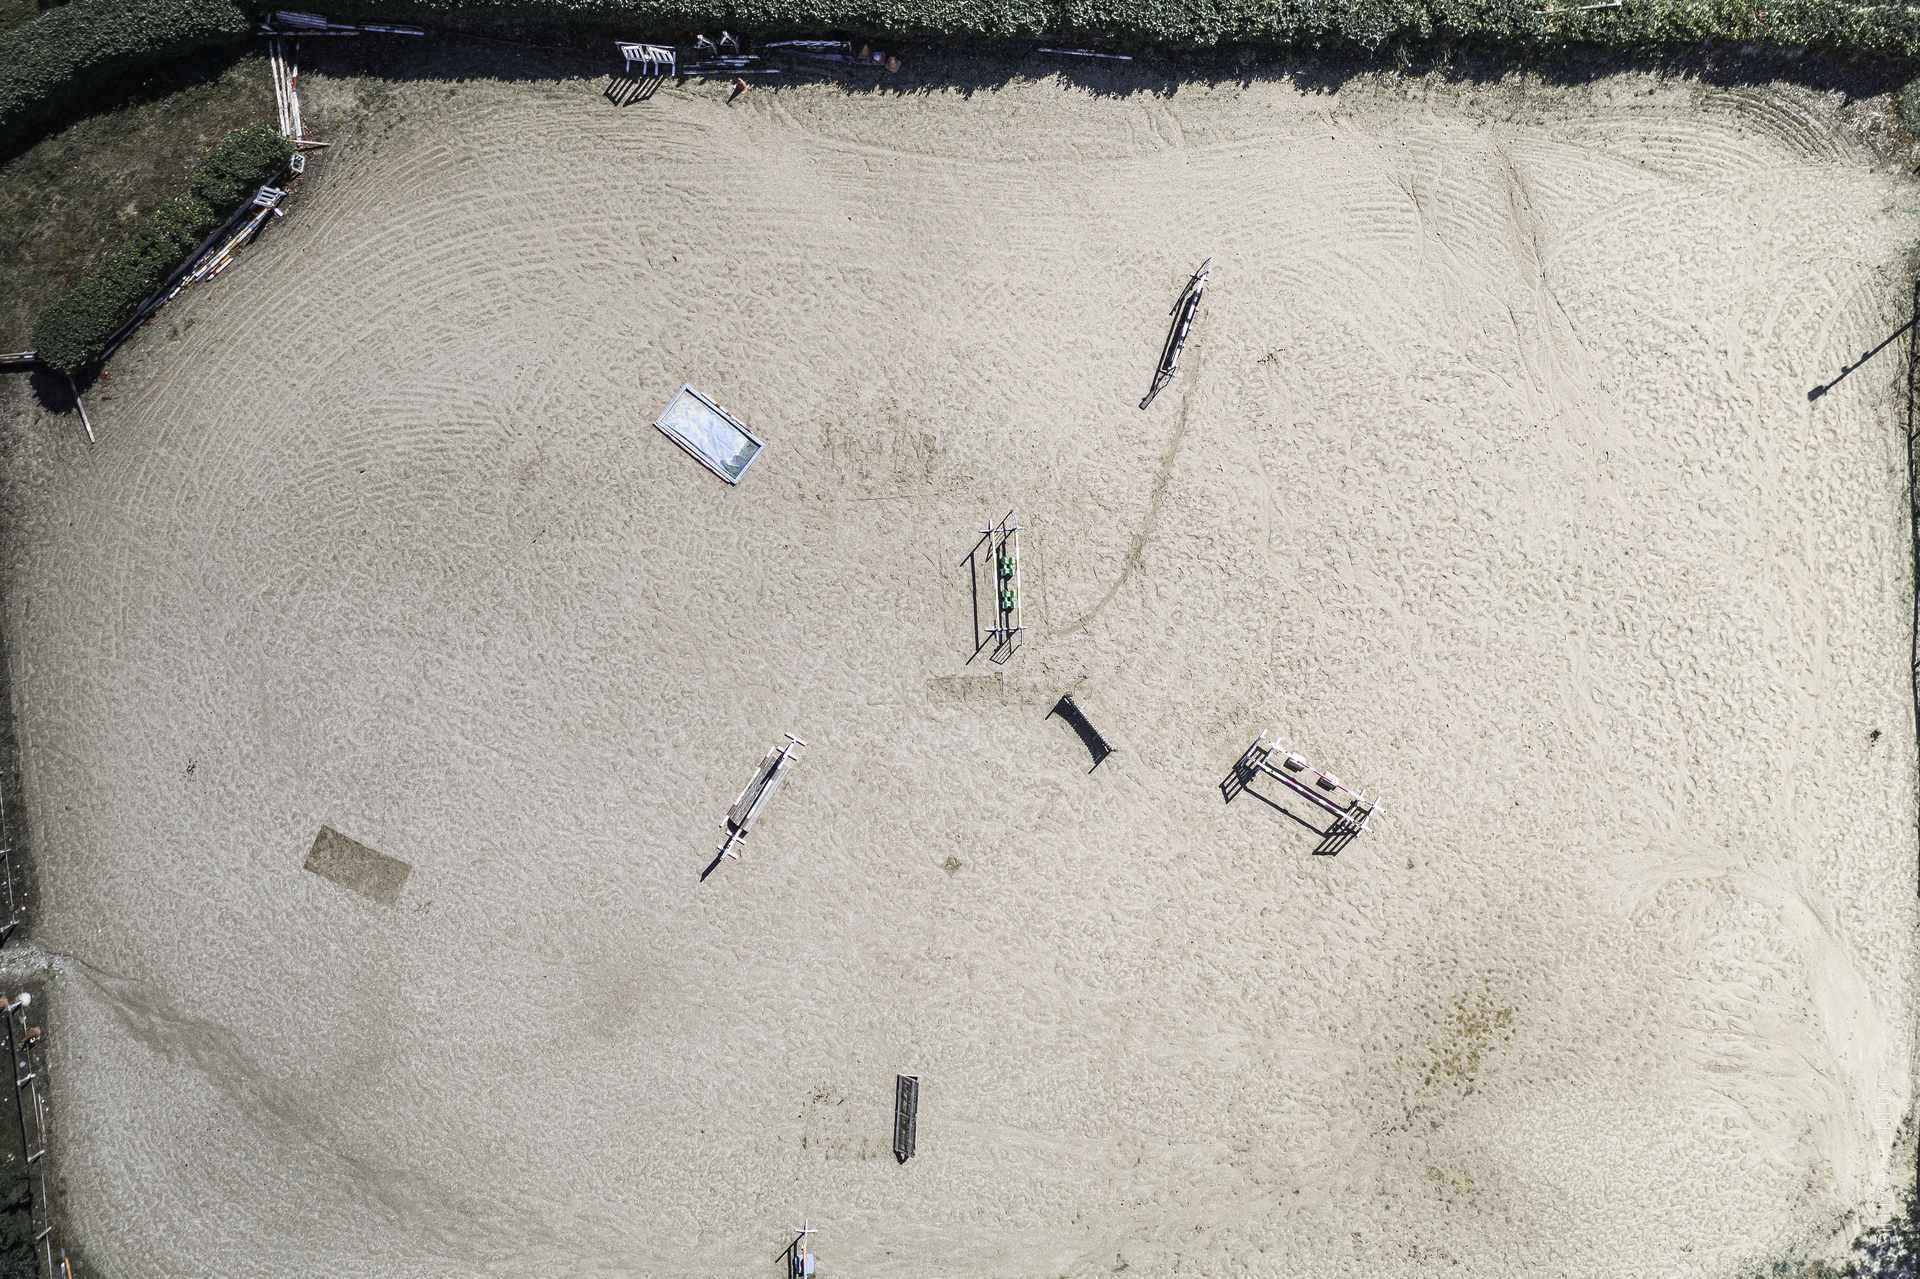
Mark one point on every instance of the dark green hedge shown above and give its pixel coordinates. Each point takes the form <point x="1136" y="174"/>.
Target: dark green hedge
<point x="65" y="55"/>
<point x="1837" y="25"/>
<point x="72" y="333"/>
<point x="70" y="53"/>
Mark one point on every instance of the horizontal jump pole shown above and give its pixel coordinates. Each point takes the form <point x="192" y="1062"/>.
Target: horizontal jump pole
<point x="1351" y="808"/>
<point x="1308" y="793"/>
<point x="295" y="22"/>
<point x="1183" y="311"/>
<point x="1177" y="339"/>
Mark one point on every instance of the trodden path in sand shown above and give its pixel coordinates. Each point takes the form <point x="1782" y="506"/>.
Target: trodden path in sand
<point x="1490" y="482"/>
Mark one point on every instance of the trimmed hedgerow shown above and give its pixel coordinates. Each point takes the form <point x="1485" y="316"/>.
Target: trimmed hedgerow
<point x="48" y="64"/>
<point x="921" y="19"/>
<point x="72" y="333"/>
<point x="1837" y="25"/>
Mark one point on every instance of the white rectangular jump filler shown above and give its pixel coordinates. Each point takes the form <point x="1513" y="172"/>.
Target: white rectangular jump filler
<point x="714" y="436"/>
<point x="754" y="796"/>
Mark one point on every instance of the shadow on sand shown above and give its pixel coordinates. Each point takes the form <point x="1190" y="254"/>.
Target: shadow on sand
<point x="497" y="54"/>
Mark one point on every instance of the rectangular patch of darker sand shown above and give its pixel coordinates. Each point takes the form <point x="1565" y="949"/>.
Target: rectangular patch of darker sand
<point x="353" y="865"/>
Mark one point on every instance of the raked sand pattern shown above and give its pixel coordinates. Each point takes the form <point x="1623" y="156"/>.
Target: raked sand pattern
<point x="1489" y="482"/>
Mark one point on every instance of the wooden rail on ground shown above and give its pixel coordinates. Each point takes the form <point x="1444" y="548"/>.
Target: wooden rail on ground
<point x="906" y="1115"/>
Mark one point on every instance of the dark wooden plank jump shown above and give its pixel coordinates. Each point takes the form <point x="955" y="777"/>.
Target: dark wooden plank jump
<point x="906" y="1115"/>
<point x="1089" y="735"/>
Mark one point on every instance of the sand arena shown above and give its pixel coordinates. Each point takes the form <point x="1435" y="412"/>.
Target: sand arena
<point x="1490" y="481"/>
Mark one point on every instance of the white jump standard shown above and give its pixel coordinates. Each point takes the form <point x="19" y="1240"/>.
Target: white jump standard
<point x="655" y="63"/>
<point x="654" y="59"/>
<point x="1351" y="810"/>
<point x="798" y="1254"/>
<point x="766" y="780"/>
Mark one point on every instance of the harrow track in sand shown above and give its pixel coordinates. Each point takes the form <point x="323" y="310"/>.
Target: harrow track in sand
<point x="1489" y="479"/>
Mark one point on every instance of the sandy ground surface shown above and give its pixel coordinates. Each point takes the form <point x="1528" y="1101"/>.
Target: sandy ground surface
<point x="1491" y="482"/>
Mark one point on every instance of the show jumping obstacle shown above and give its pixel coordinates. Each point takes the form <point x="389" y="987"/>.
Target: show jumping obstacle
<point x="1352" y="811"/>
<point x="655" y="60"/>
<point x="657" y="64"/>
<point x="766" y="780"/>
<point x="1184" y="308"/>
<point x="906" y="1116"/>
<point x="1069" y="711"/>
<point x="1001" y="542"/>
<point x="798" y="1254"/>
<point x="291" y="22"/>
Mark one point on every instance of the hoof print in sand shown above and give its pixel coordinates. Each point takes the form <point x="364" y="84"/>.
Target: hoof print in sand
<point x="353" y="865"/>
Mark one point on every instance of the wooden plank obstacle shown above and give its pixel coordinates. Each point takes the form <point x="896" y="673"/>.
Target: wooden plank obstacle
<point x="293" y="22"/>
<point x="1067" y="709"/>
<point x="266" y="203"/>
<point x="838" y="51"/>
<point x="1185" y="307"/>
<point x="906" y="1115"/>
<point x="1351" y="811"/>
<point x="766" y="780"/>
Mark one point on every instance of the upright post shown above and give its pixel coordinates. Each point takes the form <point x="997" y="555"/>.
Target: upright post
<point x="78" y="403"/>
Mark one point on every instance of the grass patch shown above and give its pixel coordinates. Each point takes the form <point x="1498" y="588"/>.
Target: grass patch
<point x="77" y="194"/>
